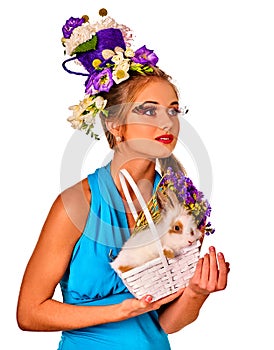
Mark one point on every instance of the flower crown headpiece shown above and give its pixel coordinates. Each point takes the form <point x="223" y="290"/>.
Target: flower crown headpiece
<point x="188" y="195"/>
<point x="103" y="49"/>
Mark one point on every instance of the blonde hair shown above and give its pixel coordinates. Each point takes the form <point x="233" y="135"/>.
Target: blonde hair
<point x="118" y="105"/>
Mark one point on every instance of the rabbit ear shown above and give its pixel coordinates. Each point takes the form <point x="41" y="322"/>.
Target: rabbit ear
<point x="166" y="201"/>
<point x="172" y="198"/>
<point x="162" y="201"/>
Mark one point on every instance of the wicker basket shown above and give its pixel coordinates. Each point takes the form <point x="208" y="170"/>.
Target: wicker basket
<point x="162" y="276"/>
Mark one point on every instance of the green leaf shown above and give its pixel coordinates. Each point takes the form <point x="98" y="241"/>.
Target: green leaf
<point x="86" y="46"/>
<point x="105" y="112"/>
<point x="135" y="66"/>
<point x="148" y="69"/>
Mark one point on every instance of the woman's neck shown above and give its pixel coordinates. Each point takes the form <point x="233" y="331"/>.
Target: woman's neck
<point x="141" y="170"/>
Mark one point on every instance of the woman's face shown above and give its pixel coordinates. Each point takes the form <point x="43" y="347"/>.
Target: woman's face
<point x="152" y="125"/>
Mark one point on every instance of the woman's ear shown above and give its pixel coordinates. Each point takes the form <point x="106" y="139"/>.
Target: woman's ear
<point x="114" y="128"/>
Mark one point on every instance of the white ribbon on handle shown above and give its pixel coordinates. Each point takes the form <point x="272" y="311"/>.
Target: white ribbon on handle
<point x="125" y="174"/>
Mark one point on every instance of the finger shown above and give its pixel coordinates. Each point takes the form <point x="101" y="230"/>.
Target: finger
<point x="198" y="271"/>
<point x="227" y="266"/>
<point x="223" y="271"/>
<point x="205" y="272"/>
<point x="168" y="299"/>
<point x="172" y="296"/>
<point x="145" y="301"/>
<point x="213" y="271"/>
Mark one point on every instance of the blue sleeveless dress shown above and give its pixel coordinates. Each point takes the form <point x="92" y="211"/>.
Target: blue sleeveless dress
<point x="89" y="279"/>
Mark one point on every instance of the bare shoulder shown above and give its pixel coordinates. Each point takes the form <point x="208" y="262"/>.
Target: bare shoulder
<point x="76" y="194"/>
<point x="61" y="230"/>
<point x="73" y="204"/>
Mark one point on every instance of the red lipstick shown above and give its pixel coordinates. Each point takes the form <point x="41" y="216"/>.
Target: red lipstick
<point x="165" y="138"/>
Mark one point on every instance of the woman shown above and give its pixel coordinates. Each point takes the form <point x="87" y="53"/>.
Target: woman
<point x="89" y="221"/>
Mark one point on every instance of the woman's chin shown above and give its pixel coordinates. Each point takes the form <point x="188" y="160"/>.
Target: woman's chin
<point x="148" y="148"/>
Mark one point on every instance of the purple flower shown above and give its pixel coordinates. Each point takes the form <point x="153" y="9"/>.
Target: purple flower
<point x="90" y="90"/>
<point x="145" y="56"/>
<point x="192" y="199"/>
<point x="99" y="81"/>
<point x="70" y="25"/>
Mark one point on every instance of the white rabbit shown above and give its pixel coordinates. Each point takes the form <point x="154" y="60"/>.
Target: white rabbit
<point x="176" y="229"/>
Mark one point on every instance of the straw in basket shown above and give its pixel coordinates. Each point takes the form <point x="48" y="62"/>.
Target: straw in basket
<point x="162" y="276"/>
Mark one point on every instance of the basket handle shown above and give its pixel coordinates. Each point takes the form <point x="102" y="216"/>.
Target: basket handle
<point x="125" y="174"/>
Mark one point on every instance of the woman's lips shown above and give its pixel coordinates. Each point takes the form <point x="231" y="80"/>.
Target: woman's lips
<point x="165" y="138"/>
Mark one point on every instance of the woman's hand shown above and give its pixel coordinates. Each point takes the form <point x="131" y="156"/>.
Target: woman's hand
<point x="210" y="274"/>
<point x="134" y="307"/>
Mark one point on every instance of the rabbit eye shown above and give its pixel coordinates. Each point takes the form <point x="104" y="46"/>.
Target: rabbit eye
<point x="192" y="233"/>
<point x="177" y="228"/>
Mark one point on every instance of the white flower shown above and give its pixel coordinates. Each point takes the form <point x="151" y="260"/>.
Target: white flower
<point x="89" y="118"/>
<point x="76" y="111"/>
<point x="121" y="72"/>
<point x="76" y="119"/>
<point x="86" y="111"/>
<point x="75" y="123"/>
<point x="79" y="35"/>
<point x="118" y="49"/>
<point x="87" y="101"/>
<point x="124" y="65"/>
<point x="108" y="22"/>
<point x="100" y="103"/>
<point x="104" y="23"/>
<point x="107" y="54"/>
<point x="129" y="52"/>
<point x="118" y="58"/>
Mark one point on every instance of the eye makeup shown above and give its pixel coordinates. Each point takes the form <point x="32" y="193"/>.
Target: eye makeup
<point x="153" y="109"/>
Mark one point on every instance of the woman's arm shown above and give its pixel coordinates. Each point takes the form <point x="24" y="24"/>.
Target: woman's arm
<point x="36" y="309"/>
<point x="210" y="276"/>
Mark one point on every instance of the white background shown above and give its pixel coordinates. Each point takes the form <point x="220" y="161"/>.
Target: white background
<point x="221" y="55"/>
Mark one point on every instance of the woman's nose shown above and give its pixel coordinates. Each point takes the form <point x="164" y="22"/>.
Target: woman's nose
<point x="165" y="120"/>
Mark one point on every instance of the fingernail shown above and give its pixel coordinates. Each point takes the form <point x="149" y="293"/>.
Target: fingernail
<point x="148" y="298"/>
<point x="211" y="249"/>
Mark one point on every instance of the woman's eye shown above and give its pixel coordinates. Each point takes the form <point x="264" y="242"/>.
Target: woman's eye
<point x="154" y="111"/>
<point x="150" y="111"/>
<point x="173" y="112"/>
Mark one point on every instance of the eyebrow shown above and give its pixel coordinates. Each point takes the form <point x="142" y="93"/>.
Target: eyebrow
<point x="157" y="103"/>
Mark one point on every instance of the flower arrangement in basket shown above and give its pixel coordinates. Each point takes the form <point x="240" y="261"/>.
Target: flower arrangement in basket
<point x="161" y="255"/>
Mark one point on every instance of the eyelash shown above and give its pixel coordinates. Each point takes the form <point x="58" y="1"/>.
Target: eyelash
<point x="144" y="109"/>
